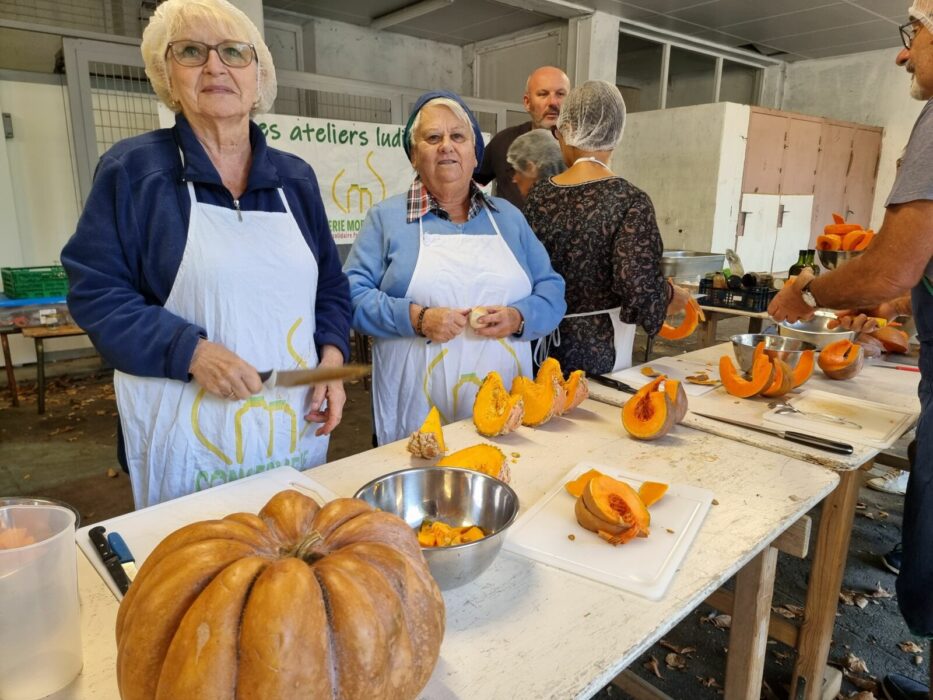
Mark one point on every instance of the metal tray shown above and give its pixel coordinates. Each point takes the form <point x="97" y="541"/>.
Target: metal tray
<point x="689" y="264"/>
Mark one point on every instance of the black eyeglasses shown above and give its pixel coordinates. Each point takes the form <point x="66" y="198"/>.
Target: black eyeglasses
<point x="908" y="31"/>
<point x="236" y="54"/>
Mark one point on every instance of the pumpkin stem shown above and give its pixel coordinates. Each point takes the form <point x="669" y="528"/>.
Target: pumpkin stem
<point x="305" y="548"/>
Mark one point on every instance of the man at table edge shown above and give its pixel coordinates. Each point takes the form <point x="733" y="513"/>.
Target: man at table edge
<point x="899" y="259"/>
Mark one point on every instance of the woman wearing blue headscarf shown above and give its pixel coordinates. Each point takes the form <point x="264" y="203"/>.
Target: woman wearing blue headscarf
<point x="424" y="260"/>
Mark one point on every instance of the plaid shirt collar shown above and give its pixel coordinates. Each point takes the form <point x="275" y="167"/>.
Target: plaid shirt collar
<point x="420" y="202"/>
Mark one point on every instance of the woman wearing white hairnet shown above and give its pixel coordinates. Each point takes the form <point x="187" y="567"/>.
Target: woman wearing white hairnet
<point x="201" y="256"/>
<point x="602" y="236"/>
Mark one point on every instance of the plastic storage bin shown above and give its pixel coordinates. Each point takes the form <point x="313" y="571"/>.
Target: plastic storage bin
<point x="755" y="299"/>
<point x="40" y="621"/>
<point x="34" y="282"/>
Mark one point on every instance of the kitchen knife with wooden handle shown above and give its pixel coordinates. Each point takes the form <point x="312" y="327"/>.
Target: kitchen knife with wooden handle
<point x="317" y="375"/>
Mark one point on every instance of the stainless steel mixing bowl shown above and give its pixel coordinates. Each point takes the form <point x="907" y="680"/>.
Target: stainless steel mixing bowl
<point x="831" y="259"/>
<point x="456" y="497"/>
<point x="816" y="330"/>
<point x="787" y="349"/>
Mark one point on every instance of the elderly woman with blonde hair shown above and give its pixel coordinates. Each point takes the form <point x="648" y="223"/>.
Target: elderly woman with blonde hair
<point x="202" y="257"/>
<point x="424" y="260"/>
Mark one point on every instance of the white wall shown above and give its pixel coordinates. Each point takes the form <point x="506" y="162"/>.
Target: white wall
<point x="348" y="51"/>
<point x="40" y="160"/>
<point x="867" y="88"/>
<point x="689" y="161"/>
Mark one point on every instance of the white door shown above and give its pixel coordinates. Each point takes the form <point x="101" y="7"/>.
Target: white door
<point x="755" y="240"/>
<point x="793" y="230"/>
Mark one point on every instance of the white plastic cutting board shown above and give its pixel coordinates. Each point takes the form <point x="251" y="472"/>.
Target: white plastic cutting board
<point x="144" y="529"/>
<point x="881" y="424"/>
<point x="673" y="368"/>
<point x="644" y="566"/>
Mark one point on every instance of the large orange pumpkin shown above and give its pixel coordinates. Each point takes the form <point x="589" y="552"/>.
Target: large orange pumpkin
<point x="297" y="602"/>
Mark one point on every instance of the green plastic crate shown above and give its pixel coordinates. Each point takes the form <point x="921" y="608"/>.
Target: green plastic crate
<point x="34" y="282"/>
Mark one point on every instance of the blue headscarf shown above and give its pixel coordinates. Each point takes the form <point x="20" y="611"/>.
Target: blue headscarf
<point x="433" y="95"/>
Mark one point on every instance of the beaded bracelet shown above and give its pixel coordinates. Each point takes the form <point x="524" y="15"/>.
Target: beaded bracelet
<point x="420" y="323"/>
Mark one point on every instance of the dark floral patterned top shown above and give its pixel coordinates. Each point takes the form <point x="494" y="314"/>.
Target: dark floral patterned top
<point x="603" y="239"/>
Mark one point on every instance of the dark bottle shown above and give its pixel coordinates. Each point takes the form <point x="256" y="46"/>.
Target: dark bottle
<point x="811" y="263"/>
<point x="798" y="266"/>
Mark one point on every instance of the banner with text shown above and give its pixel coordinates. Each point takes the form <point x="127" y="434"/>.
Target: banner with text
<point x="358" y="164"/>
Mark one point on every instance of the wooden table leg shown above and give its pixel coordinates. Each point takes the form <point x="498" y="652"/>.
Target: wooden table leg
<point x="8" y="364"/>
<point x="754" y="324"/>
<point x="826" y="570"/>
<point x="709" y="328"/>
<point x="40" y="373"/>
<point x="748" y="636"/>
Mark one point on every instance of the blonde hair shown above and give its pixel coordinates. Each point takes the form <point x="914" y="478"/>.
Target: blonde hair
<point x="453" y="106"/>
<point x="173" y="17"/>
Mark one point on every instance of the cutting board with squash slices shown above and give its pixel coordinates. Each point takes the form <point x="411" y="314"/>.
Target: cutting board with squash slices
<point x="548" y="532"/>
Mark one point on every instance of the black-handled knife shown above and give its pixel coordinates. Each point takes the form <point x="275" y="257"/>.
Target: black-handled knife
<point x="613" y="383"/>
<point x="800" y="438"/>
<point x="111" y="561"/>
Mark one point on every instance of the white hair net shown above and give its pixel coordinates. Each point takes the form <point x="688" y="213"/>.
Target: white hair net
<point x="536" y="153"/>
<point x="922" y="10"/>
<point x="174" y="17"/>
<point x="592" y="116"/>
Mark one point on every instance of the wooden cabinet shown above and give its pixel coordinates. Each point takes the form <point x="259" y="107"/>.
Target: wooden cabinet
<point x="799" y="169"/>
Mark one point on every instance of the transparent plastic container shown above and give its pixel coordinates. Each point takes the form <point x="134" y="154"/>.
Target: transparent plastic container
<point x="40" y="621"/>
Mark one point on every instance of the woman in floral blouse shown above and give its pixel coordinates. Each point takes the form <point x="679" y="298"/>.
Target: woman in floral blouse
<point x="602" y="236"/>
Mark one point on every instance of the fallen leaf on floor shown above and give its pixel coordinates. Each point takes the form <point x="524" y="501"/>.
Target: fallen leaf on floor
<point x="27" y="477"/>
<point x="860" y="506"/>
<point x="675" y="661"/>
<point x="910" y="647"/>
<point x="59" y="431"/>
<point x="111" y="473"/>
<point x="870" y="684"/>
<point x="676" y="649"/>
<point x="101" y="413"/>
<point x="879" y="592"/>
<point x="708" y="682"/>
<point x="652" y="665"/>
<point x="719" y="620"/>
<point x="849" y="597"/>
<point x="854" y="664"/>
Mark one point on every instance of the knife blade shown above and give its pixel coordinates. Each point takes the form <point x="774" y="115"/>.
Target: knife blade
<point x="122" y="551"/>
<point x="613" y="383"/>
<point x="317" y="375"/>
<point x="111" y="563"/>
<point x="800" y="438"/>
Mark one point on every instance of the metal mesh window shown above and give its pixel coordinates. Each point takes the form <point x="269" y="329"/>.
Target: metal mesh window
<point x="123" y="102"/>
<point x="333" y="105"/>
<point x="91" y="15"/>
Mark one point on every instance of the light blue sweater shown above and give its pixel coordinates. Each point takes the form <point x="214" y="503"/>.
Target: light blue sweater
<point x="382" y="261"/>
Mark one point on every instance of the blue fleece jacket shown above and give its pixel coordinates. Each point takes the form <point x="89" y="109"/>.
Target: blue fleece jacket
<point x="382" y="261"/>
<point x="124" y="255"/>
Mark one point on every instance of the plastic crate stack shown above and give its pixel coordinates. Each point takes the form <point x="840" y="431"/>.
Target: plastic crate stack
<point x="754" y="299"/>
<point x="34" y="282"/>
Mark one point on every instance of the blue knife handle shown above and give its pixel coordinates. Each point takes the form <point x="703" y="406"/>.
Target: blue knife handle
<point x="118" y="545"/>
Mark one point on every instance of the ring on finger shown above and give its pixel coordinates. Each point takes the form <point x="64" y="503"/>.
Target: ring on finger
<point x="231" y="394"/>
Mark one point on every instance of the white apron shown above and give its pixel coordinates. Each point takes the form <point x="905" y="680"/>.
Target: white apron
<point x="179" y="439"/>
<point x="412" y="374"/>
<point x="623" y="339"/>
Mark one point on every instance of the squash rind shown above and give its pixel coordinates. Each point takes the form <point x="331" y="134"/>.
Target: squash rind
<point x="841" y="360"/>
<point x="762" y="373"/>
<point x="428" y="441"/>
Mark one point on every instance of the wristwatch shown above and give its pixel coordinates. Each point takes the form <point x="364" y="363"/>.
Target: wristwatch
<point x="807" y="296"/>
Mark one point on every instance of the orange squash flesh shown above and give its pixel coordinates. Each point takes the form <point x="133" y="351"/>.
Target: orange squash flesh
<point x="745" y="388"/>
<point x="842" y="359"/>
<point x="838" y="218"/>
<point x="804" y="368"/>
<point x="495" y="410"/>
<point x="829" y="242"/>
<point x="853" y="238"/>
<point x="575" y="487"/>
<point x="650" y="492"/>
<point x="540" y="400"/>
<point x="839" y="229"/>
<point x="865" y="240"/>
<point x="759" y="351"/>
<point x="693" y="314"/>
<point x="783" y="380"/>
<point x="678" y="396"/>
<point x="649" y="414"/>
<point x="616" y="502"/>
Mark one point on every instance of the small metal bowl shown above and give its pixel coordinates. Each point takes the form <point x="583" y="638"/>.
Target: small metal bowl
<point x="26" y="501"/>
<point x="816" y="330"/>
<point x="457" y="497"/>
<point x="787" y="349"/>
<point x="831" y="259"/>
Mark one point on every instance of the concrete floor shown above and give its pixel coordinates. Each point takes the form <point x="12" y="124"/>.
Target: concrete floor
<point x="69" y="454"/>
